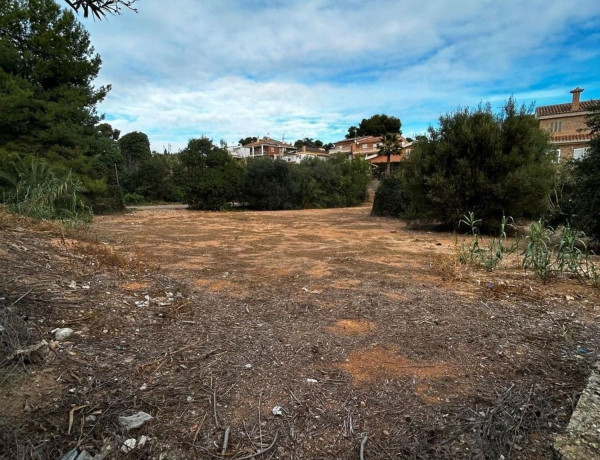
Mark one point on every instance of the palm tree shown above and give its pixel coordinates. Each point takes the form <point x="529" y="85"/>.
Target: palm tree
<point x="390" y="146"/>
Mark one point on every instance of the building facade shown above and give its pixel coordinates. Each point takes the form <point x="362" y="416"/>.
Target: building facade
<point x="566" y="124"/>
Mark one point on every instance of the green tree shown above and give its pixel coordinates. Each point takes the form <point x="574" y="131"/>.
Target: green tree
<point x="377" y="125"/>
<point x="135" y="148"/>
<point x="390" y="146"/>
<point x="492" y="165"/>
<point x="248" y="140"/>
<point x="268" y="184"/>
<point x="210" y="176"/>
<point x="308" y="142"/>
<point x="47" y="100"/>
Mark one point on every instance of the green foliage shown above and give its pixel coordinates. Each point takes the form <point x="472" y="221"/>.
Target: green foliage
<point x="390" y="199"/>
<point x="489" y="256"/>
<point x="211" y="178"/>
<point x="268" y="184"/>
<point x="377" y="125"/>
<point x="135" y="149"/>
<point x="47" y="101"/>
<point x="544" y="254"/>
<point x="248" y="140"/>
<point x="390" y="146"/>
<point x="308" y="142"/>
<point x="314" y="183"/>
<point x="491" y="164"/>
<point x="31" y="187"/>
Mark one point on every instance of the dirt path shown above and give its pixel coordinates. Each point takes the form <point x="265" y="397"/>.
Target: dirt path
<point x="353" y="325"/>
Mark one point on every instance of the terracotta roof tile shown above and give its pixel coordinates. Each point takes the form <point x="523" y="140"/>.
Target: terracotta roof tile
<point x="383" y="159"/>
<point x="557" y="109"/>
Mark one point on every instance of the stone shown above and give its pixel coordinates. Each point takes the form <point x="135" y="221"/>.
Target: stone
<point x="63" y="333"/>
<point x="142" y="441"/>
<point x="84" y="455"/>
<point x="128" y="445"/>
<point x="134" y="421"/>
<point x="580" y="439"/>
<point x="71" y="455"/>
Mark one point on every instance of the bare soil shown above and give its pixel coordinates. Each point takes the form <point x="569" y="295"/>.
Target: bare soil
<point x="356" y="326"/>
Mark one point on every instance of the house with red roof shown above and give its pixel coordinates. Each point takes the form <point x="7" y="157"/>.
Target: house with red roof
<point x="268" y="147"/>
<point x="566" y="125"/>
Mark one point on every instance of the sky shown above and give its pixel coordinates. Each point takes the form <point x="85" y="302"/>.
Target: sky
<point x="293" y="69"/>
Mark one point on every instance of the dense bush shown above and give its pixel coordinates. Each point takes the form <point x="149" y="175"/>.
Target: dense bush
<point x="33" y="188"/>
<point x="210" y="177"/>
<point x="390" y="199"/>
<point x="268" y="184"/>
<point x="493" y="165"/>
<point x="314" y="183"/>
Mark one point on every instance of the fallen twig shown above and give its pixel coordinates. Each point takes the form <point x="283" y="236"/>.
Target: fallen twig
<point x="225" y="441"/>
<point x="362" y="447"/>
<point x="71" y="416"/>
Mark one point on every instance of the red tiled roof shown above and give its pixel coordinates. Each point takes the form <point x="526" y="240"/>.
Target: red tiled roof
<point x="268" y="141"/>
<point x="557" y="109"/>
<point x="383" y="159"/>
<point x="556" y="137"/>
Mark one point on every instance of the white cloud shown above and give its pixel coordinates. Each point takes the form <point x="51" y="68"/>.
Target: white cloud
<point x="230" y="69"/>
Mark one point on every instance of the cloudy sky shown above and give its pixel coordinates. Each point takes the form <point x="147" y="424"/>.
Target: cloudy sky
<point x="229" y="69"/>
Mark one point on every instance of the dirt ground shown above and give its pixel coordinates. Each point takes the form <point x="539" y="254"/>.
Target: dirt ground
<point x="369" y="336"/>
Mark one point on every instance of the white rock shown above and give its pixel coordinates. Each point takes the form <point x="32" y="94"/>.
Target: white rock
<point x="73" y="285"/>
<point x="128" y="445"/>
<point x="311" y="381"/>
<point x="62" y="333"/>
<point x="134" y="421"/>
<point x="277" y="410"/>
<point x="248" y="366"/>
<point x="142" y="441"/>
<point x="143" y="387"/>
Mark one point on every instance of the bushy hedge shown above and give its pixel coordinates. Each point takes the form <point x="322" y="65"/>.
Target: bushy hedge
<point x="490" y="164"/>
<point x="212" y="179"/>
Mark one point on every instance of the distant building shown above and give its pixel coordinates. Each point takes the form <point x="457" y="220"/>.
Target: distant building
<point x="566" y="125"/>
<point x="268" y="147"/>
<point x="305" y="152"/>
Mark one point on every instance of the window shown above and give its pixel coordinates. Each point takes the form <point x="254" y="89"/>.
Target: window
<point x="556" y="127"/>
<point x="272" y="149"/>
<point x="557" y="155"/>
<point x="364" y="146"/>
<point x="579" y="153"/>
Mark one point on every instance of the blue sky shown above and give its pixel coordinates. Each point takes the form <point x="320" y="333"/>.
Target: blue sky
<point x="230" y="69"/>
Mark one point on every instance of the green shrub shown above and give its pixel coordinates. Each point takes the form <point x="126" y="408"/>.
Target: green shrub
<point x="32" y="188"/>
<point x="390" y="199"/>
<point x="211" y="177"/>
<point x="493" y="165"/>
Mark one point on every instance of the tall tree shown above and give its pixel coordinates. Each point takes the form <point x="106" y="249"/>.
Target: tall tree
<point x="47" y="99"/>
<point x="135" y="148"/>
<point x="491" y="164"/>
<point x="211" y="177"/>
<point x="248" y="140"/>
<point x="377" y="125"/>
<point x="390" y="146"/>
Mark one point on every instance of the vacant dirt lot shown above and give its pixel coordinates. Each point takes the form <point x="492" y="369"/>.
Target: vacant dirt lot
<point x="363" y="332"/>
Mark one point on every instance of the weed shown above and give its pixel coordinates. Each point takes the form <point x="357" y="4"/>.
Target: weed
<point x="538" y="255"/>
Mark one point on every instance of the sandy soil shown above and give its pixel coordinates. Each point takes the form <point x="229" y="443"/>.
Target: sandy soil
<point x="356" y="326"/>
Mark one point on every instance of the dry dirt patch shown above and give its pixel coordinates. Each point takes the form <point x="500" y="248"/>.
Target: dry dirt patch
<point x="354" y="325"/>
